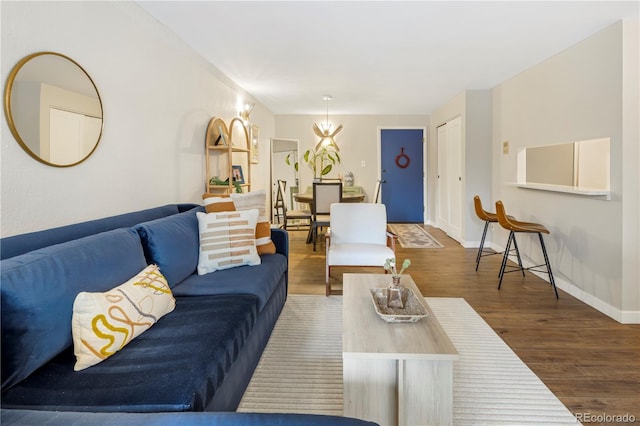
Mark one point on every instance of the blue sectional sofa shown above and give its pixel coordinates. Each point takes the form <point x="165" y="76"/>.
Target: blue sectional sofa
<point x="199" y="357"/>
<point x="44" y="418"/>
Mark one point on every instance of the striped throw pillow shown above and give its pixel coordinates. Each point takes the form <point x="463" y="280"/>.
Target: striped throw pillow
<point x="227" y="240"/>
<point x="257" y="200"/>
<point x="217" y="203"/>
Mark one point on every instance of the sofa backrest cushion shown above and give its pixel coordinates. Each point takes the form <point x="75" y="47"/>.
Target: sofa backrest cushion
<point x="24" y="243"/>
<point x="39" y="288"/>
<point x="172" y="243"/>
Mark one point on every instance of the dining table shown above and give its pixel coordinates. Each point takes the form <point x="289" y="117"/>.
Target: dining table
<point x="347" y="197"/>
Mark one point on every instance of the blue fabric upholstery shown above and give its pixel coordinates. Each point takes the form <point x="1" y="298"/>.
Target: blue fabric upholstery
<point x="173" y="244"/>
<point x="47" y="418"/>
<point x="199" y="357"/>
<point x="260" y="280"/>
<point x="20" y="244"/>
<point x="237" y="379"/>
<point x="176" y="365"/>
<point x="39" y="288"/>
<point x="280" y="238"/>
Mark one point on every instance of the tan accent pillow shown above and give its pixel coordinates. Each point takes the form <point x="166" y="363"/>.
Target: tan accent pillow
<point x="227" y="240"/>
<point x="257" y="200"/>
<point x="217" y="203"/>
<point x="103" y="323"/>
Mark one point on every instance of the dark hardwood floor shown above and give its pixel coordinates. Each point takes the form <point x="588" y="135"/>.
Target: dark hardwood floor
<point x="588" y="360"/>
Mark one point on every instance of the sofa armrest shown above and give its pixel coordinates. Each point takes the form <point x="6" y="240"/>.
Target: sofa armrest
<point x="280" y="238"/>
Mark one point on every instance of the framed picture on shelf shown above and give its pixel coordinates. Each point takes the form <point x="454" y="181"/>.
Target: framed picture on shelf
<point x="255" y="137"/>
<point x="222" y="138"/>
<point x="238" y="176"/>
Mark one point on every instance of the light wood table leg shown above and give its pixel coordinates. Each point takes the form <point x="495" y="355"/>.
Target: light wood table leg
<point x="370" y="390"/>
<point x="394" y="373"/>
<point x="425" y="392"/>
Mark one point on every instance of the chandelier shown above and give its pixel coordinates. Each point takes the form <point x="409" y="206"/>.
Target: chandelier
<point x="327" y="137"/>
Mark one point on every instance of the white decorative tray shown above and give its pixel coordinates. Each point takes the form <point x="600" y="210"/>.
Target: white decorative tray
<point x="413" y="310"/>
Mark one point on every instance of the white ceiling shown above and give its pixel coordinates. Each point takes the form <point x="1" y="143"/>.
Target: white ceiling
<point x="380" y="57"/>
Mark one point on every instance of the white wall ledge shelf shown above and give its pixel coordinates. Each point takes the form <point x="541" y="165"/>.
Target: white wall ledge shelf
<point x="586" y="192"/>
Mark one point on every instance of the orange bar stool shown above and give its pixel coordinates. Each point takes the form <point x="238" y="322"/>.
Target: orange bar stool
<point x="514" y="226"/>
<point x="488" y="218"/>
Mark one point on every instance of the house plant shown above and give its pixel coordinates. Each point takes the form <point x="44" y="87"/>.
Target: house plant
<point x="321" y="161"/>
<point x="390" y="266"/>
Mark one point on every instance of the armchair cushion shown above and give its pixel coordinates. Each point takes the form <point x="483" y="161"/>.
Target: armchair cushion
<point x="358" y="254"/>
<point x="364" y="223"/>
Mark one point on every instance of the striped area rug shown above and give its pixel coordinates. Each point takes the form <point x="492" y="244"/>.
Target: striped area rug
<point x="301" y="368"/>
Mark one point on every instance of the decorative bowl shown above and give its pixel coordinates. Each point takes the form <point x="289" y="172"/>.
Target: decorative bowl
<point x="413" y="311"/>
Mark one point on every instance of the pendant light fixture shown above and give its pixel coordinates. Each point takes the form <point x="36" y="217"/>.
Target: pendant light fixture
<point x="327" y="137"/>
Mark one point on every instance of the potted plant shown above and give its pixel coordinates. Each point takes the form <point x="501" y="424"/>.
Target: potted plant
<point x="390" y="266"/>
<point x="321" y="161"/>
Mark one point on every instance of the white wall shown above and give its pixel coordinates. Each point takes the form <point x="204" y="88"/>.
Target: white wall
<point x="575" y="95"/>
<point x="358" y="142"/>
<point x="158" y="96"/>
<point x="631" y="169"/>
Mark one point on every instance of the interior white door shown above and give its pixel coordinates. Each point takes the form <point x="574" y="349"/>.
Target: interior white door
<point x="450" y="178"/>
<point x="443" y="184"/>
<point x="71" y="135"/>
<point x="454" y="172"/>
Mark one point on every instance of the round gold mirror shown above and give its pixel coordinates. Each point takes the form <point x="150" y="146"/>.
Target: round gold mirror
<point x="53" y="109"/>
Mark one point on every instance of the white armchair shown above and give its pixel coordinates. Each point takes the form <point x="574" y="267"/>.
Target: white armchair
<point x="358" y="236"/>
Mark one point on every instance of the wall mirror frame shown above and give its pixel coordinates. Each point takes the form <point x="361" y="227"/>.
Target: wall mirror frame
<point x="53" y="109"/>
<point x="280" y="170"/>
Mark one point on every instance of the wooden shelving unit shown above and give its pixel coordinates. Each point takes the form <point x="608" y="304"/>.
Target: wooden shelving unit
<point x="220" y="147"/>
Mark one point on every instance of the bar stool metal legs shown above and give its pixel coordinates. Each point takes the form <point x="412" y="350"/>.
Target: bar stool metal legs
<point x="514" y="226"/>
<point x="546" y="261"/>
<point x="481" y="248"/>
<point x="505" y="258"/>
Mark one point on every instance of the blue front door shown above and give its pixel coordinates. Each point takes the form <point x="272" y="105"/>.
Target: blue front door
<point x="402" y="174"/>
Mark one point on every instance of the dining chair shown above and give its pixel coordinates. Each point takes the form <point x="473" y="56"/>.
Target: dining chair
<point x="279" y="205"/>
<point x="376" y="197"/>
<point x="324" y="195"/>
<point x="296" y="215"/>
<point x="515" y="226"/>
<point x="358" y="236"/>
<point x="293" y="191"/>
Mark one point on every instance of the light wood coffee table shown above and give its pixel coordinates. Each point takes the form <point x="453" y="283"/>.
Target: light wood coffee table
<point x="394" y="373"/>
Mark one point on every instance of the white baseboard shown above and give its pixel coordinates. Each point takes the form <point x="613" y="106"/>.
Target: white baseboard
<point x="623" y="317"/>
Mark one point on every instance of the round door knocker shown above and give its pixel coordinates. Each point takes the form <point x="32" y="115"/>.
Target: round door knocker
<point x="402" y="159"/>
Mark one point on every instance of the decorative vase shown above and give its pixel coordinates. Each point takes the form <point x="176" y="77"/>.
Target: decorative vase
<point x="394" y="294"/>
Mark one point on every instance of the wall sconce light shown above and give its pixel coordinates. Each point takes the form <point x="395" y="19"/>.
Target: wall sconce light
<point x="244" y="110"/>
